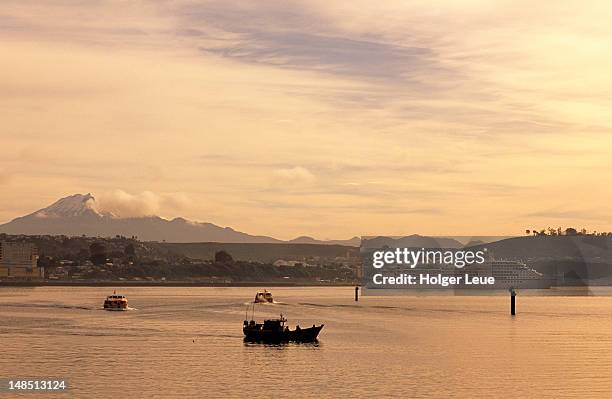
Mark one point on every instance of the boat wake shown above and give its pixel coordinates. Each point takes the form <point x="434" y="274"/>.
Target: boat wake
<point x="118" y="310"/>
<point x="264" y="303"/>
<point x="47" y="305"/>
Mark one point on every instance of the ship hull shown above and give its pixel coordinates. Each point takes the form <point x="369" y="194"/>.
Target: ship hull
<point x="278" y="336"/>
<point x="116" y="306"/>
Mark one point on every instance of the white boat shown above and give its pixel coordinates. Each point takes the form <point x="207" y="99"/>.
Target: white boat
<point x="116" y="302"/>
<point x="264" y="297"/>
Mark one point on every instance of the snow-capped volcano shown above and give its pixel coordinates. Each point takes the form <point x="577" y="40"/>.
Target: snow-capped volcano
<point x="76" y="205"/>
<point x="79" y="214"/>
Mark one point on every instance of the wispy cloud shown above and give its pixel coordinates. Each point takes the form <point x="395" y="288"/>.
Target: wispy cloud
<point x="294" y="175"/>
<point x="365" y="59"/>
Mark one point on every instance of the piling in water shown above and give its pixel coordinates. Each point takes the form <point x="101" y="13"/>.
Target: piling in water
<point x="356" y="293"/>
<point x="512" y="302"/>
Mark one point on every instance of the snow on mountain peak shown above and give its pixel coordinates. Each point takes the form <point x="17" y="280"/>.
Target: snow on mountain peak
<point x="71" y="206"/>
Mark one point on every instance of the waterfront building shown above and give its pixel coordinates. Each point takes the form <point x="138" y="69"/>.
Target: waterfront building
<point x="19" y="260"/>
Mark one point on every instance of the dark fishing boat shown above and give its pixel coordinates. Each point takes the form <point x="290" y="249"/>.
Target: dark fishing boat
<point x="275" y="331"/>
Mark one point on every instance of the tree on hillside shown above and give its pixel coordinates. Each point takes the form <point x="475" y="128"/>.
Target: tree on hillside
<point x="223" y="257"/>
<point x="129" y="250"/>
<point x="570" y="231"/>
<point x="97" y="253"/>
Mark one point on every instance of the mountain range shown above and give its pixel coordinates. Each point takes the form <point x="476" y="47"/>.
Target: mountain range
<point x="79" y="214"/>
<point x="412" y="241"/>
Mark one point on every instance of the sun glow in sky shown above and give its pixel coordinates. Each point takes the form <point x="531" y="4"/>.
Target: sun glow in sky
<point x="329" y="119"/>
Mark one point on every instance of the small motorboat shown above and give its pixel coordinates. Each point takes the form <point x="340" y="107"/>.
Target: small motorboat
<point x="275" y="331"/>
<point x="264" y="297"/>
<point x="116" y="302"/>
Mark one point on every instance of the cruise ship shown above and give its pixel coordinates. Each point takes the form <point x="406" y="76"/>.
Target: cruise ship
<point x="513" y="274"/>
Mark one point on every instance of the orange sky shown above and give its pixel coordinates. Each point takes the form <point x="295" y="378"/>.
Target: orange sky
<point x="312" y="117"/>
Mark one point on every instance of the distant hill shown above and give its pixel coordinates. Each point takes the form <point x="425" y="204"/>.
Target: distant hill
<point x="587" y="248"/>
<point x="474" y="243"/>
<point x="579" y="247"/>
<point x="353" y="242"/>
<point x="73" y="259"/>
<point x="569" y="260"/>
<point x="79" y="214"/>
<point x="259" y="252"/>
<point x="412" y="241"/>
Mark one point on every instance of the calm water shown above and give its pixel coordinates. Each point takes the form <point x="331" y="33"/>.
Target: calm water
<point x="187" y="342"/>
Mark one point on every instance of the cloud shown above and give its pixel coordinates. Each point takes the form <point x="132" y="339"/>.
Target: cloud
<point x="147" y="203"/>
<point x="302" y="35"/>
<point x="337" y="55"/>
<point x="295" y="175"/>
